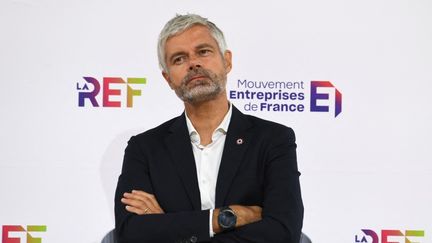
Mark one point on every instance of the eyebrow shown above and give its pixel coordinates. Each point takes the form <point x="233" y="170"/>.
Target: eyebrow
<point x="180" y="53"/>
<point x="204" y="45"/>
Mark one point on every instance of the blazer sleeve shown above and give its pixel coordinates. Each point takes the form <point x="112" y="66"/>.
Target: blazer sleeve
<point x="191" y="226"/>
<point x="282" y="206"/>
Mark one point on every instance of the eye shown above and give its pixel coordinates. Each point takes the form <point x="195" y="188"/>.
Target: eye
<point x="204" y="52"/>
<point x="178" y="60"/>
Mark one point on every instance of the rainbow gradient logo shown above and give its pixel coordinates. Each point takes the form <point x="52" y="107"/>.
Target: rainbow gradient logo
<point x="390" y="236"/>
<point x="116" y="92"/>
<point x="20" y="234"/>
<point x="316" y="96"/>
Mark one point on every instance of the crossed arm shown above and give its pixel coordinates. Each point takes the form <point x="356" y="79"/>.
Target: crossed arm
<point x="141" y="203"/>
<point x="140" y="217"/>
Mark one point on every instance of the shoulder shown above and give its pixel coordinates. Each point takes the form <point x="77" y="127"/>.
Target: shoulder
<point x="273" y="129"/>
<point x="158" y="133"/>
<point x="266" y="124"/>
<point x="263" y="127"/>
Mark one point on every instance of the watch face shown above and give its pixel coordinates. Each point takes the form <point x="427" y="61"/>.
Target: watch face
<point x="227" y="219"/>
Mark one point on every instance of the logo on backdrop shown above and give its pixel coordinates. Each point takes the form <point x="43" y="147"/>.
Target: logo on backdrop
<point x="316" y="96"/>
<point x="389" y="236"/>
<point x="288" y="96"/>
<point x="21" y="234"/>
<point x="115" y="92"/>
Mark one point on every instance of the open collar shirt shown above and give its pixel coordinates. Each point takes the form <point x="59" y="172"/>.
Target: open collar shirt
<point x="207" y="161"/>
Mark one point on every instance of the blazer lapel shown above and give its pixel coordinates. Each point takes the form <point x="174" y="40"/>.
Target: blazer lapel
<point x="236" y="144"/>
<point x="179" y="146"/>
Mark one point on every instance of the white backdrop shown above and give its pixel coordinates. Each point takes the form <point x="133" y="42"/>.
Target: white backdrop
<point x="368" y="168"/>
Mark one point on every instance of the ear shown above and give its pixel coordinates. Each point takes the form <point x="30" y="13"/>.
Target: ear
<point x="228" y="60"/>
<point x="167" y="78"/>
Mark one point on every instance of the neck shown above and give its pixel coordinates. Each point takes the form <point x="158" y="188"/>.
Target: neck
<point x="206" y="116"/>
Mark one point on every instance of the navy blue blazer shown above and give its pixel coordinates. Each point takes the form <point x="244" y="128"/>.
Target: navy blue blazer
<point x="260" y="171"/>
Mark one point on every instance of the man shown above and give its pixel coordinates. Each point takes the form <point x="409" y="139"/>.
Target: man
<point x="212" y="174"/>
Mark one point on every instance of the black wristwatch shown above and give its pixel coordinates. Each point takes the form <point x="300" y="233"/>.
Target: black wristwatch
<point x="227" y="219"/>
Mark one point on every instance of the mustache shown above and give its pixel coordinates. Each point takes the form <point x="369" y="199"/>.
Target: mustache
<point x="195" y="72"/>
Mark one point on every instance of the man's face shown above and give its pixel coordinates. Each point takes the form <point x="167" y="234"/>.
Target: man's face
<point x="196" y="71"/>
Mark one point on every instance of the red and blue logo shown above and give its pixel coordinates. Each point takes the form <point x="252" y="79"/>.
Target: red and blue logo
<point x="317" y="96"/>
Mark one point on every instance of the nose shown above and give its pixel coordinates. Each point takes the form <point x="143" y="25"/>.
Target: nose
<point x="192" y="67"/>
<point x="194" y="63"/>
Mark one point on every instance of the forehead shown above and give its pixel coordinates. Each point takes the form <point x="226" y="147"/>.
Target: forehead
<point x="195" y="36"/>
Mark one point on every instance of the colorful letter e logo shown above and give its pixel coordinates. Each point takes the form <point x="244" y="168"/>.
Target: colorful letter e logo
<point x="315" y="96"/>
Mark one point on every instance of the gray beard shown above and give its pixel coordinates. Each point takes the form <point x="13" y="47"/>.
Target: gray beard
<point x="204" y="90"/>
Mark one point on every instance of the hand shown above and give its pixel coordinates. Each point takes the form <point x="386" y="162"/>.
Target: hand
<point x="245" y="215"/>
<point x="140" y="202"/>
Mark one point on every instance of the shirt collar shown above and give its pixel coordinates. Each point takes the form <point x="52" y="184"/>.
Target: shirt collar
<point x="222" y="129"/>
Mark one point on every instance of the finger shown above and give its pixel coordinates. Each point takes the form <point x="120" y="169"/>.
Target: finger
<point x="150" y="198"/>
<point x="141" y="203"/>
<point x="135" y="203"/>
<point x="137" y="206"/>
<point x="154" y="201"/>
<point x="138" y="194"/>
<point x="146" y="200"/>
<point x="135" y="196"/>
<point x="129" y="195"/>
<point x="135" y="210"/>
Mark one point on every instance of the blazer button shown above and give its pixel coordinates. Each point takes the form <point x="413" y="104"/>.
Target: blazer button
<point x="193" y="239"/>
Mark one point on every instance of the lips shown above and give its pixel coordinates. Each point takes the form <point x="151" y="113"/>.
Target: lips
<point x="195" y="78"/>
<point x="196" y="75"/>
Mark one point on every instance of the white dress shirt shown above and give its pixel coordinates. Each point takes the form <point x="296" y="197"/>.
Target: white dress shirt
<point x="207" y="162"/>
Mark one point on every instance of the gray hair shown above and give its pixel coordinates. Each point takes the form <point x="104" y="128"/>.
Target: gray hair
<point x="181" y="23"/>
